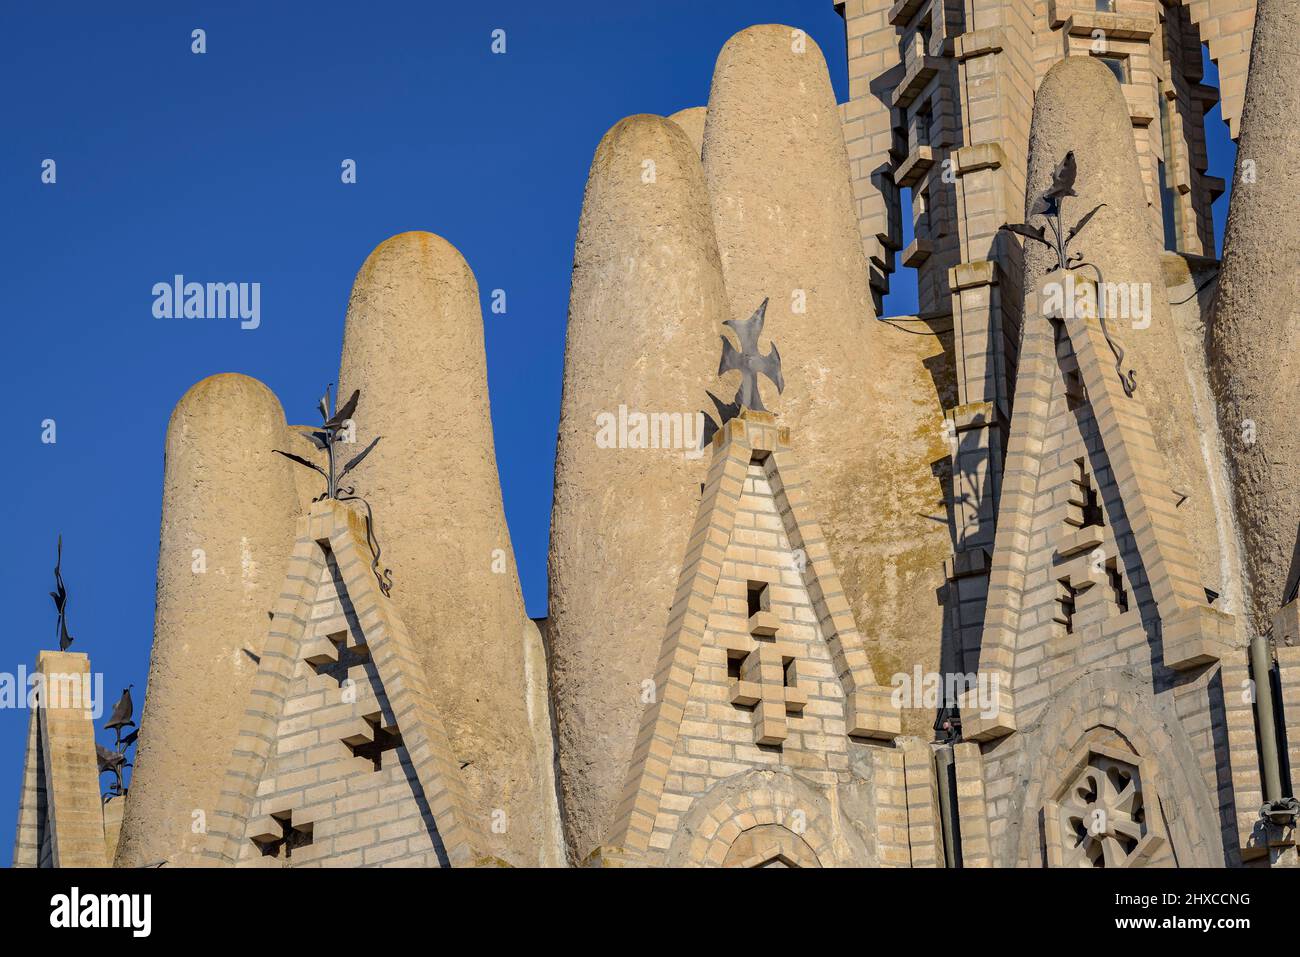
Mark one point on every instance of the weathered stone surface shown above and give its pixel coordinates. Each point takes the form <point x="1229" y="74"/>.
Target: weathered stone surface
<point x="1254" y="336"/>
<point x="692" y="122"/>
<point x="224" y="492"/>
<point x="413" y="345"/>
<point x="645" y="314"/>
<point x="1121" y="242"/>
<point x="864" y="397"/>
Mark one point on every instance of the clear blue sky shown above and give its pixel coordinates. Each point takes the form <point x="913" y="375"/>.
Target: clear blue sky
<point x="226" y="167"/>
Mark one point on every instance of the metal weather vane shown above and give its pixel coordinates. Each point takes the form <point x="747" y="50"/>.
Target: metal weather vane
<point x="113" y="760"/>
<point x="1050" y="205"/>
<point x="750" y="363"/>
<point x="327" y="437"/>
<point x="335" y="428"/>
<point x="60" y="596"/>
<point x="110" y="760"/>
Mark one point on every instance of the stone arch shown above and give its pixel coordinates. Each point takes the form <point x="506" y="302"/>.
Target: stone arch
<point x="1113" y="711"/>
<point x="759" y="815"/>
<point x="767" y="845"/>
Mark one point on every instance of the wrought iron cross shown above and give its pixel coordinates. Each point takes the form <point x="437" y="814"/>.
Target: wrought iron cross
<point x="750" y="363"/>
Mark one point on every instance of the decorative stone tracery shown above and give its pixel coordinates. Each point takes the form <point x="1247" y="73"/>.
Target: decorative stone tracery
<point x="1101" y="815"/>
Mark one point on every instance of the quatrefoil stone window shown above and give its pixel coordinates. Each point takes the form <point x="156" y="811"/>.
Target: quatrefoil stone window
<point x="1104" y="814"/>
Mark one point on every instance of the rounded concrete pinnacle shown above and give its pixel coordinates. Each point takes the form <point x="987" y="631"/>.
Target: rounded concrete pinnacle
<point x="228" y="520"/>
<point x="645" y="314"/>
<point x="413" y="345"/>
<point x="692" y="122"/>
<point x="864" y="399"/>
<point x="1254" y="336"/>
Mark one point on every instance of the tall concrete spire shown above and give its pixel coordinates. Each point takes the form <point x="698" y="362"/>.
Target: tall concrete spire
<point x="413" y="345"/>
<point x="645" y="313"/>
<point x="866" y="398"/>
<point x="1254" y="336"/>
<point x="228" y="513"/>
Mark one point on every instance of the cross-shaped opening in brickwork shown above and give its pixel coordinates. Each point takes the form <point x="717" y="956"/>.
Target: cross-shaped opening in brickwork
<point x="373" y="740"/>
<point x="290" y="836"/>
<point x="1085" y="509"/>
<point x="734" y="660"/>
<point x="1076" y="395"/>
<point x="764" y="672"/>
<point x="1066" y="595"/>
<point x="1115" y="577"/>
<point x="334" y="655"/>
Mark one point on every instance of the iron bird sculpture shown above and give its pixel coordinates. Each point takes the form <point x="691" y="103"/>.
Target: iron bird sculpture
<point x="60" y="596"/>
<point x="1050" y="205"/>
<point x="336" y="425"/>
<point x="114" y="760"/>
<point x="120" y="719"/>
<point x="111" y="762"/>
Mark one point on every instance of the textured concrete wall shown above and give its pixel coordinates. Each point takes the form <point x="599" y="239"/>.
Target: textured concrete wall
<point x="645" y="314"/>
<point x="227" y="493"/>
<point x="413" y="345"/>
<point x="865" y="398"/>
<point x="1254" y="335"/>
<point x="1219" y="555"/>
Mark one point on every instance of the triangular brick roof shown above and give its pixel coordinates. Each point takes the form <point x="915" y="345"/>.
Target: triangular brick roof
<point x="1136" y="487"/>
<point x="302" y="762"/>
<point x="869" y="712"/>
